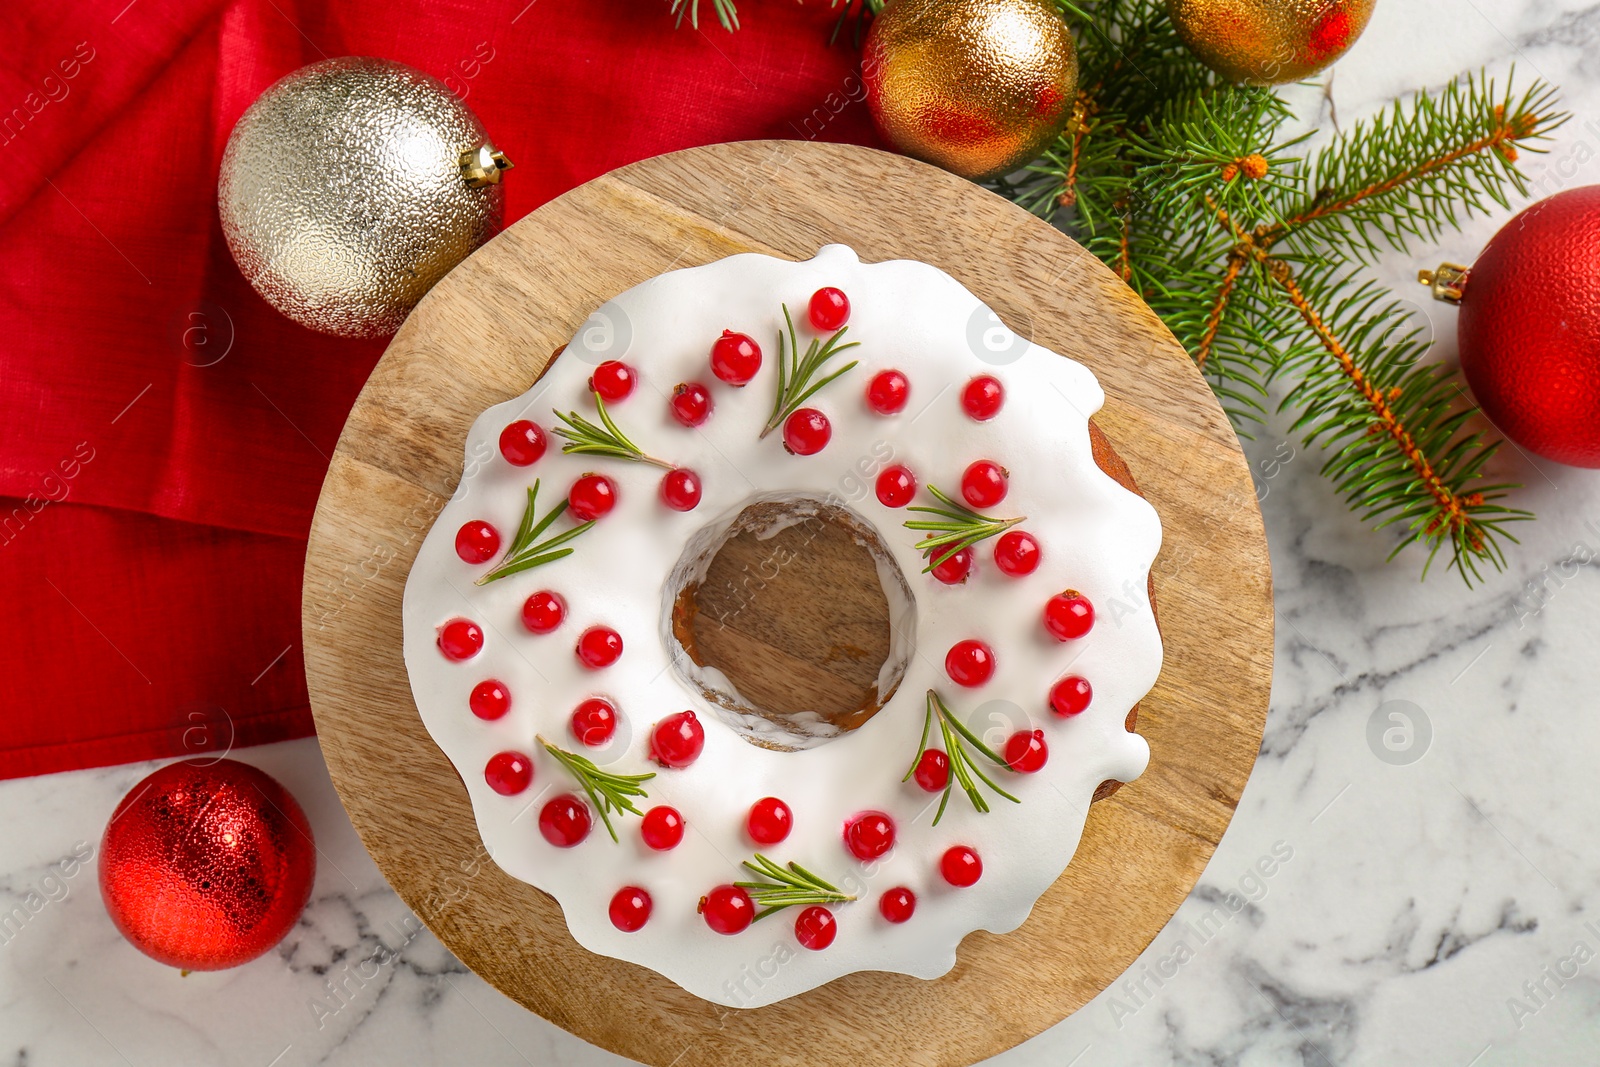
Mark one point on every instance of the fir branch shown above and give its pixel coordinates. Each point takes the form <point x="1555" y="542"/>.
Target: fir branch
<point x="606" y="791"/>
<point x="527" y="551"/>
<point x="963" y="768"/>
<point x="956" y="526"/>
<point x="727" y="13"/>
<point x="787" y="887"/>
<point x="585" y="438"/>
<point x="796" y="372"/>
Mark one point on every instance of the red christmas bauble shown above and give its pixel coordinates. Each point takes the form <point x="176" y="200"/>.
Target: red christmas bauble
<point x="1530" y="328"/>
<point x="206" y="865"/>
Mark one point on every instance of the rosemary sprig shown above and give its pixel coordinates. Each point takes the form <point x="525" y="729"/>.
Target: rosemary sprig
<point x="795" y="372"/>
<point x="787" y="887"/>
<point x="607" y="792"/>
<point x="527" y="551"/>
<point x="585" y="438"/>
<point x="957" y="526"/>
<point x="963" y="768"/>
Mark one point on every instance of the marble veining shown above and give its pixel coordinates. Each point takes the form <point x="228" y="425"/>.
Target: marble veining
<point x="1412" y="890"/>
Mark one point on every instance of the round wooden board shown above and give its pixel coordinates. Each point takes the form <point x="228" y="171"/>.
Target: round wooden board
<point x="482" y="336"/>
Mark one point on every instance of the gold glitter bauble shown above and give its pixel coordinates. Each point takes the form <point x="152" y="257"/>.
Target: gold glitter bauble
<point x="1269" y="42"/>
<point x="353" y="185"/>
<point x="979" y="87"/>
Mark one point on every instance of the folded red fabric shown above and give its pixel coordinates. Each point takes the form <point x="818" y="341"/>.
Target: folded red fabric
<point x="167" y="431"/>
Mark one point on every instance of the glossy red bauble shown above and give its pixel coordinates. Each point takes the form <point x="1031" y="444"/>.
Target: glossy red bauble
<point x="735" y="358"/>
<point x="1530" y="328"/>
<point x="888" y="392"/>
<point x="727" y="909"/>
<point x="543" y="611"/>
<point x="680" y="489"/>
<point x="677" y="740"/>
<point x="206" y="864"/>
<point x="661" y="828"/>
<point x="477" y="542"/>
<point x="460" y="639"/>
<point x="1070" y="696"/>
<point x="982" y="398"/>
<point x="490" y="700"/>
<point x="599" y="646"/>
<point x="807" y="432"/>
<point x="592" y="496"/>
<point x="954" y="568"/>
<point x="897" y="905"/>
<point x="508" y="773"/>
<point x="984" y="484"/>
<point x="594" y="721"/>
<point x="969" y="663"/>
<point x="630" y="909"/>
<point x="1026" y="751"/>
<point x="933" y="770"/>
<point x="1016" y="553"/>
<point x="769" y="821"/>
<point x="829" y="309"/>
<point x="565" y="821"/>
<point x="1068" y="615"/>
<point x="613" y="380"/>
<point x="815" y="928"/>
<point x="522" y="443"/>
<point x="869" y="835"/>
<point x="691" y="403"/>
<point x="896" y="486"/>
<point x="960" y="866"/>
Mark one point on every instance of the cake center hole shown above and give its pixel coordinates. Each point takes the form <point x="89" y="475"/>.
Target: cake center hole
<point x="793" y="620"/>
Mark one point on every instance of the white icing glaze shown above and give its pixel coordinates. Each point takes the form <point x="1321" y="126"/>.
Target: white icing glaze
<point x="1095" y="536"/>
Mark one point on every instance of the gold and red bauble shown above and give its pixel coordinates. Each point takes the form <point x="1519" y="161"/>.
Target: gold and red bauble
<point x="1269" y="42"/>
<point x="206" y="864"/>
<point x="978" y="87"/>
<point x="1530" y="326"/>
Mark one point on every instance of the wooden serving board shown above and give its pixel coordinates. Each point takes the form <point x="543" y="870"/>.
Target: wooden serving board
<point x="483" y="335"/>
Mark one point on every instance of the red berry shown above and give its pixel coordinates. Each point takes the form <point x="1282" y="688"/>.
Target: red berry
<point x="508" y="773"/>
<point x="888" y="392"/>
<point x="677" y="740"/>
<point x="630" y="908"/>
<point x="769" y="821"/>
<point x="1026" y="751"/>
<point x="594" y="721"/>
<point x="1070" y="696"/>
<point x="869" y="835"/>
<point x="896" y="486"/>
<point x="984" y="483"/>
<point x="897" y="904"/>
<point x="460" y="639"/>
<point x="564" y="821"/>
<point x="489" y="700"/>
<point x="691" y="403"/>
<point x="592" y="496"/>
<point x="522" y="443"/>
<point x="599" y="646"/>
<point x="735" y="358"/>
<point x="543" y="611"/>
<point x="1068" y="615"/>
<point x="680" y="489"/>
<point x="954" y="569"/>
<point x="806" y="432"/>
<point x="969" y="663"/>
<point x="1016" y="553"/>
<point x="612" y="379"/>
<point x="982" y="398"/>
<point x="829" y="309"/>
<point x="662" y="828"/>
<point x="815" y="928"/>
<point x="727" y="909"/>
<point x="961" y="866"/>
<point x="933" y="770"/>
<point x="477" y="541"/>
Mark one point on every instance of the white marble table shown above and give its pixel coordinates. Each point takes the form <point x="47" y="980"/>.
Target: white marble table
<point x="1442" y="911"/>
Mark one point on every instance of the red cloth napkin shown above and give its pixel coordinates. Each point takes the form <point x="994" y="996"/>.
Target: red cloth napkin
<point x="165" y="431"/>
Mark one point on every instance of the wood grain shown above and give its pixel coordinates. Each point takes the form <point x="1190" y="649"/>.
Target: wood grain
<point x="485" y="332"/>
